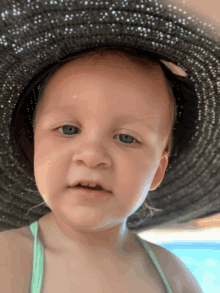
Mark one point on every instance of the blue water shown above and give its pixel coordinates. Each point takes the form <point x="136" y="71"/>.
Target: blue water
<point x="202" y="259"/>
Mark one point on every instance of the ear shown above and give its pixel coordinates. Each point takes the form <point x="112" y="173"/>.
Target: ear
<point x="159" y="175"/>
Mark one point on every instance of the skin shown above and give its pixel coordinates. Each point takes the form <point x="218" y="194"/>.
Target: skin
<point x="90" y="93"/>
<point x="207" y="11"/>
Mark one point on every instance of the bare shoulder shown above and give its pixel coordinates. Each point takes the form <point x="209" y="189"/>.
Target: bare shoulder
<point x="16" y="254"/>
<point x="176" y="272"/>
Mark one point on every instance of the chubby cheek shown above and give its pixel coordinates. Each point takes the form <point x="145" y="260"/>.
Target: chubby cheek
<point x="133" y="181"/>
<point x="49" y="169"/>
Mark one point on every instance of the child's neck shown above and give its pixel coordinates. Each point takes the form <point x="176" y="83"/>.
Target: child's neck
<point x="56" y="236"/>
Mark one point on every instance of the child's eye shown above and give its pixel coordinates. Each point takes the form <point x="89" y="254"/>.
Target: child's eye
<point x="70" y="130"/>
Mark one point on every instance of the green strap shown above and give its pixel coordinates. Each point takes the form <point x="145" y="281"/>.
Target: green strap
<point x="146" y="246"/>
<point x="38" y="261"/>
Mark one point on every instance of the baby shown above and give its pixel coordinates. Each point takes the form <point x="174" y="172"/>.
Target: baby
<point x="107" y="117"/>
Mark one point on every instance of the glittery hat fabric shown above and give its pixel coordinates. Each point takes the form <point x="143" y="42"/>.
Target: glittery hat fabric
<point x="35" y="34"/>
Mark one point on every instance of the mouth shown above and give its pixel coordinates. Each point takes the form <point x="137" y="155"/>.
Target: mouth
<point x="81" y="191"/>
<point x="97" y="188"/>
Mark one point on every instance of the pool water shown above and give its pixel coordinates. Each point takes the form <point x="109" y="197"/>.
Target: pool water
<point x="202" y="259"/>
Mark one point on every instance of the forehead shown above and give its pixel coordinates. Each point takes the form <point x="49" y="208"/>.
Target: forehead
<point x="113" y="63"/>
<point x="113" y="68"/>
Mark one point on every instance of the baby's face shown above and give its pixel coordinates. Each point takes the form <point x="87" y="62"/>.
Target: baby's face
<point x="120" y="117"/>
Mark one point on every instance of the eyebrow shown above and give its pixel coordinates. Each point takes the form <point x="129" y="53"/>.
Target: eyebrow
<point x="124" y="118"/>
<point x="121" y="118"/>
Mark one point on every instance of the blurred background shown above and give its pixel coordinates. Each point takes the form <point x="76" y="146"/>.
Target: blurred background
<point x="197" y="244"/>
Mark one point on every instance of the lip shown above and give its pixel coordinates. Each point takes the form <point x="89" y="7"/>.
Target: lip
<point x="90" y="181"/>
<point x="82" y="192"/>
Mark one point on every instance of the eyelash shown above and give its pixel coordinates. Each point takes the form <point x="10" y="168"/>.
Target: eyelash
<point x="117" y="134"/>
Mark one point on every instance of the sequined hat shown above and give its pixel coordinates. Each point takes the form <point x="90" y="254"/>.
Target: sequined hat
<point x="37" y="34"/>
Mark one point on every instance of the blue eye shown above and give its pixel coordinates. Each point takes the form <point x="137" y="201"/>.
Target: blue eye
<point x="70" y="130"/>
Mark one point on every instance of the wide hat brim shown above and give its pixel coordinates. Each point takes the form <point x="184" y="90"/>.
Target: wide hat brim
<point x="35" y="34"/>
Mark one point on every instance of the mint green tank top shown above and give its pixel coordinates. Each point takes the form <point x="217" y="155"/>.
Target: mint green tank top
<point x="38" y="262"/>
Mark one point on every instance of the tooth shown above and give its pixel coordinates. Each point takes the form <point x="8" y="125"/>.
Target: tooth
<point x="84" y="184"/>
<point x="92" y="185"/>
<point x="87" y="184"/>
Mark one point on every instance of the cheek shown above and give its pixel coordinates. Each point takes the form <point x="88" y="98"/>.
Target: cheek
<point x="49" y="168"/>
<point x="133" y="177"/>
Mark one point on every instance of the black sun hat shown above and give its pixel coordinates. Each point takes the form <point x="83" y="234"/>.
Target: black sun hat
<point x="36" y="35"/>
